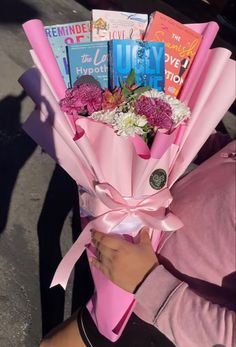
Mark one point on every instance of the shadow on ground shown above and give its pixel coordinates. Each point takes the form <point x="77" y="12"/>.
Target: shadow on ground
<point x="16" y="11"/>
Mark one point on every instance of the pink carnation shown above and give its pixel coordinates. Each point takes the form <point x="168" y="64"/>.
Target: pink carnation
<point x="83" y="99"/>
<point x="157" y="111"/>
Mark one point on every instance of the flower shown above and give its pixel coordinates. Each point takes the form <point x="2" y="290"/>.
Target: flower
<point x="128" y="124"/>
<point x="157" y="111"/>
<point x="112" y="99"/>
<point x="153" y="93"/>
<point x="129" y="110"/>
<point x="179" y="110"/>
<point x="104" y="116"/>
<point x="82" y="100"/>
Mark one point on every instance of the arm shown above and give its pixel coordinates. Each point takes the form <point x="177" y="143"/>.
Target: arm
<point x="183" y="316"/>
<point x="163" y="300"/>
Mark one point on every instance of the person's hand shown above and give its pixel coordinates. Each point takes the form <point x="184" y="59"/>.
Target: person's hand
<point x="124" y="263"/>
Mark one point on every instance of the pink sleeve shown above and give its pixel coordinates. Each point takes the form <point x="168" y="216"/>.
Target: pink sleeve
<point x="183" y="316"/>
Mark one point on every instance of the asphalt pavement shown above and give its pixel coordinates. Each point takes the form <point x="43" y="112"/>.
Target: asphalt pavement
<point x="25" y="174"/>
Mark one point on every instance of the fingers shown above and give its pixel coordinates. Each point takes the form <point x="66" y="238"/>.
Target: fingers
<point x="109" y="241"/>
<point x="100" y="266"/>
<point x="107" y="247"/>
<point x="105" y="252"/>
<point x="144" y="237"/>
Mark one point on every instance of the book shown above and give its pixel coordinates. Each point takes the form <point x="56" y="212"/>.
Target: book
<point x="110" y="25"/>
<point x="88" y="59"/>
<point x="146" y="58"/>
<point x="181" y="45"/>
<point x="61" y="35"/>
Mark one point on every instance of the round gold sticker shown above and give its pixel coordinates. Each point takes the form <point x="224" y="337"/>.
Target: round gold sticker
<point x="157" y="179"/>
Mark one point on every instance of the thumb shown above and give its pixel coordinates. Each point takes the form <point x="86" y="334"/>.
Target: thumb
<point x="144" y="237"/>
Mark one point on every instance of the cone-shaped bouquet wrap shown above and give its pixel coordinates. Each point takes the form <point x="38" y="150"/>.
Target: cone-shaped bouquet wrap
<point x="123" y="183"/>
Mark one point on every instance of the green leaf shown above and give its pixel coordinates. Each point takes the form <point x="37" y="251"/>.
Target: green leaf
<point x="126" y="92"/>
<point x="131" y="78"/>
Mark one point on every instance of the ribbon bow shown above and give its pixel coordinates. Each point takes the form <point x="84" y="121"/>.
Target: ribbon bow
<point x="110" y="209"/>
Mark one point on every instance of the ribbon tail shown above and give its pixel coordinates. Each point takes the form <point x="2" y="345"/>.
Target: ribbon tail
<point x="170" y="222"/>
<point x="66" y="265"/>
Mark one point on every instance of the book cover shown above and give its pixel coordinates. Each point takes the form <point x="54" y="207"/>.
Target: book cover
<point x="181" y="45"/>
<point x="146" y="58"/>
<point x="111" y="25"/>
<point x="61" y="35"/>
<point x="88" y="59"/>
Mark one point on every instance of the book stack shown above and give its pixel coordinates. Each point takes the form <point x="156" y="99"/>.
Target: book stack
<point x="113" y="43"/>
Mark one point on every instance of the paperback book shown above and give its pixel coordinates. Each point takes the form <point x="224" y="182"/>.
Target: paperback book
<point x="110" y="25"/>
<point x="181" y="45"/>
<point x="146" y="58"/>
<point x="88" y="59"/>
<point x="61" y="35"/>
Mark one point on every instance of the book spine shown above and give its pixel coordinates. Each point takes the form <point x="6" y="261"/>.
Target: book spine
<point x="69" y="67"/>
<point x="110" y="66"/>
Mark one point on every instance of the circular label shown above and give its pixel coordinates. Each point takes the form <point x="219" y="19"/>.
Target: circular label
<point x="157" y="179"/>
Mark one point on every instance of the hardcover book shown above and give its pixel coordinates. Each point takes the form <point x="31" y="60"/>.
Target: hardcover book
<point x="64" y="34"/>
<point x="88" y="59"/>
<point x="146" y="58"/>
<point x="181" y="45"/>
<point x="110" y="25"/>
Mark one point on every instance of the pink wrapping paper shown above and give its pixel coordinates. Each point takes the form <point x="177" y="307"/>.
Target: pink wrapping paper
<point x="126" y="165"/>
<point x="126" y="173"/>
<point x="216" y="105"/>
<point x="208" y="32"/>
<point x="36" y="87"/>
<point x="37" y="64"/>
<point x="40" y="129"/>
<point x="111" y="298"/>
<point x="35" y="33"/>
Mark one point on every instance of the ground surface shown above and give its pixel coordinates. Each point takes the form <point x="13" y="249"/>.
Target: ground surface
<point x="24" y="174"/>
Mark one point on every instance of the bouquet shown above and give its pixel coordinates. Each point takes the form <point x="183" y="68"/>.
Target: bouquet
<point x="125" y="148"/>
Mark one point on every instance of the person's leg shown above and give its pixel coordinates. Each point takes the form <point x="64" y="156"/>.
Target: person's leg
<point x="66" y="335"/>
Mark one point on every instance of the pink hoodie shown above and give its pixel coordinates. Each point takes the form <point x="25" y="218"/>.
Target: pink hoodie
<point x="191" y="296"/>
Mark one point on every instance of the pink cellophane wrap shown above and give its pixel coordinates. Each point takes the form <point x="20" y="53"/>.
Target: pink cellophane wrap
<point x="35" y="33"/>
<point x="208" y="32"/>
<point x="114" y="171"/>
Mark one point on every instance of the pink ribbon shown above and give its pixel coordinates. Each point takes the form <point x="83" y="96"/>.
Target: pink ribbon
<point x="110" y="210"/>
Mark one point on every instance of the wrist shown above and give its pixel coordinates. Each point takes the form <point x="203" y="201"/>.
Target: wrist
<point x="145" y="276"/>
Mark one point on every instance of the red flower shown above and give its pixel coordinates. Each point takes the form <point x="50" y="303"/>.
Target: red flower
<point x="112" y="99"/>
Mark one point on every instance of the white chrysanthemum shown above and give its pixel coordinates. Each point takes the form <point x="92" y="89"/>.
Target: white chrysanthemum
<point x="179" y="110"/>
<point x="104" y="116"/>
<point x="153" y="93"/>
<point x="128" y="124"/>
